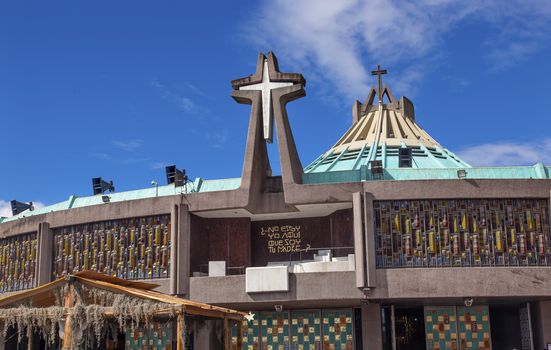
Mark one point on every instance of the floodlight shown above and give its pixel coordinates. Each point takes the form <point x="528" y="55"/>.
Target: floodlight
<point x="105" y="198"/>
<point x="99" y="186"/>
<point x="18" y="207"/>
<point x="461" y="173"/>
<point x="404" y="157"/>
<point x="376" y="167"/>
<point x="175" y="176"/>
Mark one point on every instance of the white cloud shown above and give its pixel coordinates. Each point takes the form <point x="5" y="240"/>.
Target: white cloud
<point x="508" y="153"/>
<point x="342" y="40"/>
<point x="217" y="138"/>
<point x="182" y="102"/>
<point x="101" y="155"/>
<point x="5" y="207"/>
<point x="128" y="145"/>
<point x="158" y="165"/>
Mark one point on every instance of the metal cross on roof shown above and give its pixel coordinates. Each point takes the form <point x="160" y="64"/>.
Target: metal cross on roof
<point x="379" y="73"/>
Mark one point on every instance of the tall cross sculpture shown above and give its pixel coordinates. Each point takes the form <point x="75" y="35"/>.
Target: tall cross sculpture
<point x="379" y="73"/>
<point x="266" y="79"/>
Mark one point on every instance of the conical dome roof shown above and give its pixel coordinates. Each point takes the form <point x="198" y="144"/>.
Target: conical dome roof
<point x="378" y="132"/>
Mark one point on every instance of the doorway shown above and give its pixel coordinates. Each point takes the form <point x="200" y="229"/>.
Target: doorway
<point x="409" y="325"/>
<point x="506" y="327"/>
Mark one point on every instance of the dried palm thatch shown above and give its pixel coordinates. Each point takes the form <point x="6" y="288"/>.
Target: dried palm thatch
<point x="89" y="306"/>
<point x="93" y="307"/>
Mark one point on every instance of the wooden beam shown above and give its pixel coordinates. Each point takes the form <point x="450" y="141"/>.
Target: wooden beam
<point x="227" y="334"/>
<point x="239" y="335"/>
<point x="180" y="330"/>
<point x="11" y="299"/>
<point x="68" y="302"/>
<point x="30" y="339"/>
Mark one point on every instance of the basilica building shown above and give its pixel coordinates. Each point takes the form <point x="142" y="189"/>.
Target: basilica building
<point x="386" y="241"/>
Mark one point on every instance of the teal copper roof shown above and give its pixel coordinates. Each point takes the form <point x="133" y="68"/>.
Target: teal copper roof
<point x="537" y="171"/>
<point x="199" y="185"/>
<point x="377" y="134"/>
<point x="379" y="131"/>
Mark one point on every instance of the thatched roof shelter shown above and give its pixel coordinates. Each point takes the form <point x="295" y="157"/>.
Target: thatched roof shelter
<point x="89" y="303"/>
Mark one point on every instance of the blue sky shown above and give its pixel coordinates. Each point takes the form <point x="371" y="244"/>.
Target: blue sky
<point x="119" y="89"/>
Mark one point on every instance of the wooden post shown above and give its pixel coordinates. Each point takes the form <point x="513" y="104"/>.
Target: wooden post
<point x="69" y="303"/>
<point x="227" y="334"/>
<point x="180" y="330"/>
<point x="239" y="335"/>
<point x="30" y="339"/>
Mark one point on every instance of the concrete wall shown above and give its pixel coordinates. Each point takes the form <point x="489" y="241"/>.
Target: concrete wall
<point x="371" y="327"/>
<point x="542" y="326"/>
<point x="482" y="282"/>
<point x="435" y="285"/>
<point x="300" y="194"/>
<point x="322" y="288"/>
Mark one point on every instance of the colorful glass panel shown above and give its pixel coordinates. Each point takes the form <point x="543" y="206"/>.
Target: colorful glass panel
<point x="306" y="329"/>
<point x="298" y="330"/>
<point x="485" y="232"/>
<point x="159" y="337"/>
<point x="249" y="334"/>
<point x="474" y="328"/>
<point x="275" y="330"/>
<point x="337" y="328"/>
<point x="441" y="328"/>
<point x="137" y="248"/>
<point x="18" y="262"/>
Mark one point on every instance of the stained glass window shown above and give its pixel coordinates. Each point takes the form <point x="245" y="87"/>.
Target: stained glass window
<point x="137" y="248"/>
<point x="488" y="232"/>
<point x="18" y="262"/>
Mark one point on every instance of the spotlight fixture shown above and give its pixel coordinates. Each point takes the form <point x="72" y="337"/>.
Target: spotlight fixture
<point x="99" y="186"/>
<point x="405" y="157"/>
<point x="468" y="302"/>
<point x="175" y="176"/>
<point x="156" y="185"/>
<point x="461" y="173"/>
<point x="278" y="308"/>
<point x="18" y="207"/>
<point x="106" y="198"/>
<point x="376" y="167"/>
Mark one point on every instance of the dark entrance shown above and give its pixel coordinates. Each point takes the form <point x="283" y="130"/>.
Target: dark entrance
<point x="506" y="327"/>
<point x="409" y="327"/>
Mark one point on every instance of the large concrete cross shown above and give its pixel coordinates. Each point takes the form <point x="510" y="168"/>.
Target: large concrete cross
<point x="262" y="82"/>
<point x="266" y="87"/>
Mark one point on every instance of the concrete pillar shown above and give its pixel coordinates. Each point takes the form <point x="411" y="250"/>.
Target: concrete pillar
<point x="206" y="334"/>
<point x="371" y="275"/>
<point x="45" y="257"/>
<point x="173" y="249"/>
<point x="372" y="336"/>
<point x="183" y="250"/>
<point x="542" y="324"/>
<point x="357" y="211"/>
